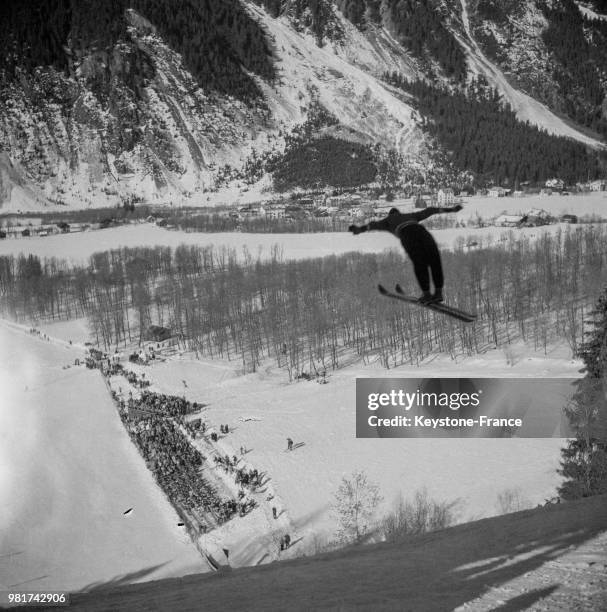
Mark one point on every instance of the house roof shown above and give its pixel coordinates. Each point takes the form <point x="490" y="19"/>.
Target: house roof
<point x="158" y="333"/>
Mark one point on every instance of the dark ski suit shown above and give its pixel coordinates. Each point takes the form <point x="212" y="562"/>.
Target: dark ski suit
<point x="416" y="240"/>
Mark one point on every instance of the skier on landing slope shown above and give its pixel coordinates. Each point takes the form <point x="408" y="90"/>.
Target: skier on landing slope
<point x="418" y="244"/>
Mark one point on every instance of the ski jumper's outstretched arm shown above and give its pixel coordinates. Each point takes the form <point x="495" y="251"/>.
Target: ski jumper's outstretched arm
<point x="434" y="210"/>
<point x="372" y="225"/>
<point x="392" y="222"/>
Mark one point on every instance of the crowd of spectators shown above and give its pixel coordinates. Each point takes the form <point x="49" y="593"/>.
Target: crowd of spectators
<point x="176" y="464"/>
<point x="168" y="405"/>
<point x="156" y="424"/>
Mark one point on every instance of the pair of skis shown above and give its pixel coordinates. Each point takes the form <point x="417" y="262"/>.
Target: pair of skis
<point x="450" y="311"/>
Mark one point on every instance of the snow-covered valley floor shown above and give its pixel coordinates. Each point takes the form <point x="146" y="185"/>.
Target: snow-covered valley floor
<point x="78" y="247"/>
<point x="69" y="469"/>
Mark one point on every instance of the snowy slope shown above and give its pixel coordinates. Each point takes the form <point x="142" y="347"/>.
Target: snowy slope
<point x="589" y="13"/>
<point x="546" y="559"/>
<point x="346" y="84"/>
<point x="526" y="107"/>
<point x="68" y="472"/>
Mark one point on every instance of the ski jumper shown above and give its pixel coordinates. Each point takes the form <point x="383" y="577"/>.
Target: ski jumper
<point x="417" y="242"/>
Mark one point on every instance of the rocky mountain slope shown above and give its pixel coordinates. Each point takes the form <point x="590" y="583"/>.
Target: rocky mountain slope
<point x="106" y="103"/>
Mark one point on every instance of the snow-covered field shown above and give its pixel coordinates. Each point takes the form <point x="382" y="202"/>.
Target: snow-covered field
<point x="78" y="247"/>
<point x="68" y="472"/>
<point x="594" y="203"/>
<point x="69" y="468"/>
<point x="264" y="410"/>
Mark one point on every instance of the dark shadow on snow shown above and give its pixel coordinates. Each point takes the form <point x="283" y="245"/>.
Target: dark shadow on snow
<point x="523" y="602"/>
<point x="437" y="571"/>
<point x="123" y="579"/>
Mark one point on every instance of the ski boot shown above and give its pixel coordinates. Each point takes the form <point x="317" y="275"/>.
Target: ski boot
<point x="437" y="298"/>
<point x="426" y="298"/>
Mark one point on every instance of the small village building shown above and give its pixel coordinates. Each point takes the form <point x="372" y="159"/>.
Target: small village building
<point x="251" y="212"/>
<point x="445" y="197"/>
<point x="306" y="203"/>
<point x="156" y="333"/>
<point x="555" y="183"/>
<point x="497" y="192"/>
<point x="344" y="200"/>
<point x="599" y="185"/>
<point x="569" y="219"/>
<point x="275" y="212"/>
<point x="295" y="212"/>
<point x="537" y="217"/>
<point x="510" y="220"/>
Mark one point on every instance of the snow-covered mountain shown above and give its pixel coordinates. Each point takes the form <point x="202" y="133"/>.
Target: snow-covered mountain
<point x="104" y="103"/>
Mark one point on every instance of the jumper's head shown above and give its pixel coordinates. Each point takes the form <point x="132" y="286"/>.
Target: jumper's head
<point x="393" y="211"/>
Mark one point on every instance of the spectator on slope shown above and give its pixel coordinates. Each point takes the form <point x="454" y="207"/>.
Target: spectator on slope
<point x="418" y="244"/>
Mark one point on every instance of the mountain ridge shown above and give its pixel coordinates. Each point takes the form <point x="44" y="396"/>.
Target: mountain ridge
<point x="138" y="120"/>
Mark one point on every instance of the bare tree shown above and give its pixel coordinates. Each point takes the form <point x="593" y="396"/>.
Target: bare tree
<point x="355" y="503"/>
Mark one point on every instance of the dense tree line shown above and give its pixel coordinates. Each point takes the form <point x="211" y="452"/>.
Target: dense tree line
<point x="216" y="39"/>
<point x="34" y="33"/>
<point x="580" y="65"/>
<point x="317" y="314"/>
<point x="498" y="11"/>
<point x="481" y="133"/>
<point x="213" y="222"/>
<point x="325" y="161"/>
<point x="420" y="28"/>
<point x="258" y="163"/>
<point x="361" y="12"/>
<point x="584" y="458"/>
